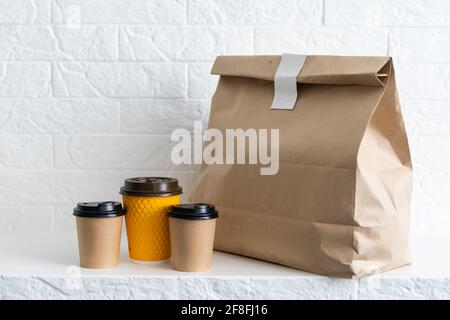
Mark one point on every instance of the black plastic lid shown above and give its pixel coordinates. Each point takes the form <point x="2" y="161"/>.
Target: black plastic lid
<point x="151" y="187"/>
<point x="194" y="211"/>
<point x="107" y="209"/>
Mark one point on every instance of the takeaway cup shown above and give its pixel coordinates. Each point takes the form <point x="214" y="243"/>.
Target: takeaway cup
<point x="99" y="229"/>
<point x="192" y="228"/>
<point x="147" y="200"/>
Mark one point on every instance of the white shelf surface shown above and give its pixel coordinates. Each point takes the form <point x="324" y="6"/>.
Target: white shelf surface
<point x="44" y="266"/>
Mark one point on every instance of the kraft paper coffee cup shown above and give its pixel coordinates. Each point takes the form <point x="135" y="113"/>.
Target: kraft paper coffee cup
<point x="192" y="228"/>
<point x="147" y="200"/>
<point x="99" y="230"/>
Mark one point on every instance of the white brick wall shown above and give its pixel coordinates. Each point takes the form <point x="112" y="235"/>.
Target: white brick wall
<point x="91" y="90"/>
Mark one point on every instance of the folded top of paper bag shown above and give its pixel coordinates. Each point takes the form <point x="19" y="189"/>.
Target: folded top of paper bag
<point x="338" y="70"/>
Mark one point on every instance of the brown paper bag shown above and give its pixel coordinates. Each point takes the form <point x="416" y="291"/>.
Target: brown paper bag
<point x="339" y="204"/>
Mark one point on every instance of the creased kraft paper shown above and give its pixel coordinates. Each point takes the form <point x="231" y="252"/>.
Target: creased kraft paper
<point x="339" y="205"/>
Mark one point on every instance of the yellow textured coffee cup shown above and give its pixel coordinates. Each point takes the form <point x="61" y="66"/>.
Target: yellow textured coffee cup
<point x="146" y="201"/>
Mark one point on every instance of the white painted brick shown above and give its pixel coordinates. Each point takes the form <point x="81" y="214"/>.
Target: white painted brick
<point x="114" y="152"/>
<point x="57" y="187"/>
<point x="26" y="218"/>
<point x="24" y="79"/>
<point x="25" y="11"/>
<point x="431" y="187"/>
<point x="120" y="11"/>
<point x="86" y="43"/>
<point x="64" y="219"/>
<point x="418" y="197"/>
<point x="387" y="13"/>
<point x="52" y="116"/>
<point x="316" y="288"/>
<point x="434" y="45"/>
<point x="72" y="286"/>
<point x="183" y="43"/>
<point x="242" y="12"/>
<point x="58" y="43"/>
<point x="125" y="287"/>
<point x="423" y="81"/>
<point x="431" y="152"/>
<point x="202" y="83"/>
<point x="426" y="117"/>
<point x="151" y="116"/>
<point x="26" y="152"/>
<point x="124" y="79"/>
<point x="396" y="288"/>
<point x="322" y="41"/>
<point x="430" y="219"/>
<point x="216" y="288"/>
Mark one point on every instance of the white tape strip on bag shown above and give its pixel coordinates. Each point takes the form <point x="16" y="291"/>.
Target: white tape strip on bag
<point x="285" y="81"/>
